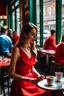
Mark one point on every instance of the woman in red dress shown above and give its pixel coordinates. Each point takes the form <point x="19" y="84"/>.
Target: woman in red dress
<point x="22" y="65"/>
<point x="59" y="56"/>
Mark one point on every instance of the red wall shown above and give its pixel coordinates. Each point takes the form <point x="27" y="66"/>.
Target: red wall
<point x="2" y="8"/>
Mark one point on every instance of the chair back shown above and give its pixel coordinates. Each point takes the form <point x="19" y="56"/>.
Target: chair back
<point x="5" y="72"/>
<point x="5" y="78"/>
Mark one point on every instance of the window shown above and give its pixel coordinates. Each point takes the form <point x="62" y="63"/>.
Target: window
<point x="18" y="20"/>
<point x="15" y="18"/>
<point x="16" y="3"/>
<point x="48" y="11"/>
<point x="62" y="15"/>
<point x="49" y="18"/>
<point x="53" y="10"/>
<point x="38" y="22"/>
<point x="13" y="23"/>
<point x="44" y="11"/>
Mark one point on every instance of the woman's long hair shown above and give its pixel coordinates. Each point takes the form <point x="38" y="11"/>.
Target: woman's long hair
<point x="24" y="32"/>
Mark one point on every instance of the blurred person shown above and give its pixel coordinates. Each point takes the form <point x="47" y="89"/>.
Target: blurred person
<point x="15" y="38"/>
<point x="50" y="41"/>
<point x="9" y="33"/>
<point x="25" y="76"/>
<point x="5" y="42"/>
<point x="59" y="56"/>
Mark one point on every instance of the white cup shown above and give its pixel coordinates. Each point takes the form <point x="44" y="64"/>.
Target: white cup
<point x="59" y="76"/>
<point x="50" y="80"/>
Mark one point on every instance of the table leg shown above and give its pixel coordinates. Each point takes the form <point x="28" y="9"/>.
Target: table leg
<point x="47" y="59"/>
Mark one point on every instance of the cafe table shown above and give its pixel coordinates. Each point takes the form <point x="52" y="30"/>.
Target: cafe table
<point x="57" y="86"/>
<point x="5" y="62"/>
<point x="48" y="53"/>
<point x="43" y="51"/>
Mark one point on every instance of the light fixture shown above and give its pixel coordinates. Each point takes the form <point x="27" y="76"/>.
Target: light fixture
<point x="12" y="7"/>
<point x="0" y="17"/>
<point x="3" y="17"/>
<point x="18" y="22"/>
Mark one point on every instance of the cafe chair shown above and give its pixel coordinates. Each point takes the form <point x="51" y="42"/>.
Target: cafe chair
<point x="5" y="79"/>
<point x="41" y="62"/>
<point x="56" y="67"/>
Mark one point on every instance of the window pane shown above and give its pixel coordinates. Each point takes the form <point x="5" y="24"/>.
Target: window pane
<point x="16" y="3"/>
<point x="62" y="15"/>
<point x="13" y="19"/>
<point x="49" y="17"/>
<point x="38" y="22"/>
<point x="18" y="20"/>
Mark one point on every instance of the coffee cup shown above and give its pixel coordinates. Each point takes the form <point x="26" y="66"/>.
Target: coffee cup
<point x="59" y="76"/>
<point x="50" y="80"/>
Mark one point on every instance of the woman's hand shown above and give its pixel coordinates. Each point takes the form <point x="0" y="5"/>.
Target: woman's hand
<point x="36" y="80"/>
<point x="42" y="76"/>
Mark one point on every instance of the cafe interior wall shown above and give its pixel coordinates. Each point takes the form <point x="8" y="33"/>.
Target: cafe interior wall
<point x="24" y="10"/>
<point x="2" y="11"/>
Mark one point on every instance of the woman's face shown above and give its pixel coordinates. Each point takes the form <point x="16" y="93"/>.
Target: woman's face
<point x="31" y="35"/>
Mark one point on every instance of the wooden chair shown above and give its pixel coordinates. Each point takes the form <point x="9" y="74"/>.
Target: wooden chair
<point x="56" y="67"/>
<point x="5" y="80"/>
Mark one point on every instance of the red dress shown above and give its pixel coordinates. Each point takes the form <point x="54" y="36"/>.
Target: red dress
<point x="23" y="68"/>
<point x="59" y="56"/>
<point x="50" y="43"/>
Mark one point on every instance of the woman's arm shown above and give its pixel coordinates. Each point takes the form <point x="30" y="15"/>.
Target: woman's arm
<point x="15" y="55"/>
<point x="34" y="71"/>
<point x="37" y="75"/>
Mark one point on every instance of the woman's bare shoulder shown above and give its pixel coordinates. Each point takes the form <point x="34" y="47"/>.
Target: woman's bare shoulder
<point x="15" y="50"/>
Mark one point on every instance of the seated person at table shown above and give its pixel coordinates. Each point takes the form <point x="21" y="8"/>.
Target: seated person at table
<point x="15" y="38"/>
<point x="22" y="65"/>
<point x="9" y="33"/>
<point x="59" y="56"/>
<point x="50" y="41"/>
<point x="5" y="42"/>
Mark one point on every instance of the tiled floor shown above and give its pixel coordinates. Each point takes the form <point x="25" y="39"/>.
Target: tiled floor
<point x="6" y="91"/>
